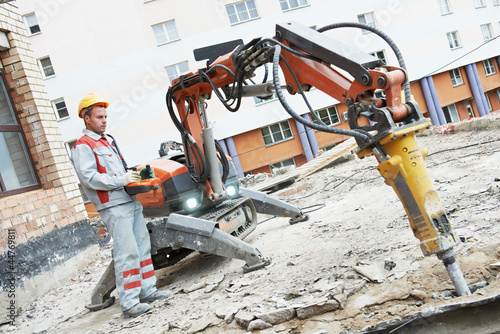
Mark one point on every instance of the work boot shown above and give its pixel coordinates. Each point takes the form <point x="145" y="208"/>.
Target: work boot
<point x="157" y="295"/>
<point x="136" y="310"/>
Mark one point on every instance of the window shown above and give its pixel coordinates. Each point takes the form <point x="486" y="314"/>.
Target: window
<point x="469" y="108"/>
<point x="276" y="132"/>
<point x="329" y="116"/>
<point x="368" y="19"/>
<point x="487" y="32"/>
<point x="450" y="113"/>
<point x="380" y="55"/>
<point x="290" y="4"/>
<point x="31" y="24"/>
<point x="175" y="71"/>
<point x="456" y="77"/>
<point x="489" y="67"/>
<point x="453" y="39"/>
<point x="498" y="95"/>
<point x="276" y="166"/>
<point x="479" y="3"/>
<point x="16" y="169"/>
<point x="46" y="67"/>
<point x="60" y="109"/>
<point x="444" y="7"/>
<point x="496" y="2"/>
<point x="165" y="32"/>
<point x="242" y="11"/>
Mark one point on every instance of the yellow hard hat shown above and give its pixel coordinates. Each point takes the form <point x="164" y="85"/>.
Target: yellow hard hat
<point x="90" y="100"/>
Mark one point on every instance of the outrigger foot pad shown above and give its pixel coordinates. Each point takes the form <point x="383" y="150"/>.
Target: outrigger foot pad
<point x="257" y="266"/>
<point x="107" y="303"/>
<point x="304" y="218"/>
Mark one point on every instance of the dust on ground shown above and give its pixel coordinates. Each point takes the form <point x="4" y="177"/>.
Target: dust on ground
<point x="353" y="264"/>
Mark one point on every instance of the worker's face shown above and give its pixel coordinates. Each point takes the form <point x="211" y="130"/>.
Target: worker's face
<point x="97" y="120"/>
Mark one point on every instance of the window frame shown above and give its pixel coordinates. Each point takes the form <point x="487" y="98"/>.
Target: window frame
<point x="479" y="3"/>
<point x="281" y="165"/>
<point x="17" y="128"/>
<point x="452" y="108"/>
<point x="372" y="24"/>
<point x="468" y="106"/>
<point x="376" y="55"/>
<point x="456" y="80"/>
<point x="489" y="67"/>
<point x="28" y="26"/>
<point x="165" y="31"/>
<point x="453" y="38"/>
<point x="42" y="69"/>
<point x="176" y="66"/>
<point x="248" y="12"/>
<point x="56" y="110"/>
<point x="290" y="6"/>
<point x="282" y="131"/>
<point x="445" y="7"/>
<point x="329" y="115"/>
<point x="488" y="32"/>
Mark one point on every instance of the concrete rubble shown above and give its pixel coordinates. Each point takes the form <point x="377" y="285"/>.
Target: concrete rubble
<point x="353" y="265"/>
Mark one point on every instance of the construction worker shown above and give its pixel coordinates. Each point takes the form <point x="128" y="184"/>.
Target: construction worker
<point x="101" y="170"/>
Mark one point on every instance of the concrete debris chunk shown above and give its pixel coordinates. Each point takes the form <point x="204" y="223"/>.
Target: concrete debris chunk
<point x="201" y="324"/>
<point x="243" y="318"/>
<point x="258" y="324"/>
<point x="317" y="308"/>
<point x="278" y="316"/>
<point x="495" y="265"/>
<point x="194" y="287"/>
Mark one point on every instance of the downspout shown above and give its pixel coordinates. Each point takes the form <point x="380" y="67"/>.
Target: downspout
<point x="231" y="148"/>
<point x="428" y="99"/>
<point x="303" y="139"/>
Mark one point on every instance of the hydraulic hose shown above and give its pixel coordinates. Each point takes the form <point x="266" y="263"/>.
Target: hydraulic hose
<point x="381" y="34"/>
<point x="276" y="59"/>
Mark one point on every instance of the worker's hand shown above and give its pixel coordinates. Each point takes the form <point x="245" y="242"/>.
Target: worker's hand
<point x="145" y="175"/>
<point x="130" y="177"/>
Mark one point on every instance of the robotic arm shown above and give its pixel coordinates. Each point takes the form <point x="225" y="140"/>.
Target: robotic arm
<point x="308" y="58"/>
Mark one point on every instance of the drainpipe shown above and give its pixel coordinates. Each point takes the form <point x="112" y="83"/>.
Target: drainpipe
<point x="428" y="99"/>
<point x="224" y="147"/>
<point x="481" y="91"/>
<point x="303" y="139"/>
<point x="475" y="90"/>
<point x="234" y="155"/>
<point x="437" y="105"/>
<point x="312" y="137"/>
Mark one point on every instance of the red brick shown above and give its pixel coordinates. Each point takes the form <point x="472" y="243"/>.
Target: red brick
<point x="21" y="228"/>
<point x="7" y="213"/>
<point x="12" y="202"/>
<point x="48" y="201"/>
<point x="31" y="225"/>
<point x="3" y="205"/>
<point x="19" y="210"/>
<point x="39" y="204"/>
<point x="29" y="207"/>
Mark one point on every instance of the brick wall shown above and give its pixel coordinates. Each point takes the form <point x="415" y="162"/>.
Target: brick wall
<point x="58" y="203"/>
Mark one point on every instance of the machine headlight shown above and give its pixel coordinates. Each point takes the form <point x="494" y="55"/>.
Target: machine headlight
<point x="191" y="203"/>
<point x="232" y="190"/>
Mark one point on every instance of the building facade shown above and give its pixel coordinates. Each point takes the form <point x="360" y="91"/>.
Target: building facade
<point x="41" y="210"/>
<point x="130" y="56"/>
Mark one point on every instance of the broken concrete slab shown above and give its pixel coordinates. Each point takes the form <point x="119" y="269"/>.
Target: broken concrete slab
<point x="316" y="308"/>
<point x="278" y="316"/>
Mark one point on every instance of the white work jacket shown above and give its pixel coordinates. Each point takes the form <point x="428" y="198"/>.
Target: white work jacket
<point x="100" y="170"/>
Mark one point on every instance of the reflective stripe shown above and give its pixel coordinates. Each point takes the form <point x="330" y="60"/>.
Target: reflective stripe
<point x="132" y="285"/>
<point x="131" y="272"/>
<point x="148" y="274"/>
<point x="146" y="262"/>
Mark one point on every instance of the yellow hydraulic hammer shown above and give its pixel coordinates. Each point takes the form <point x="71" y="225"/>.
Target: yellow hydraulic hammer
<point x="406" y="173"/>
